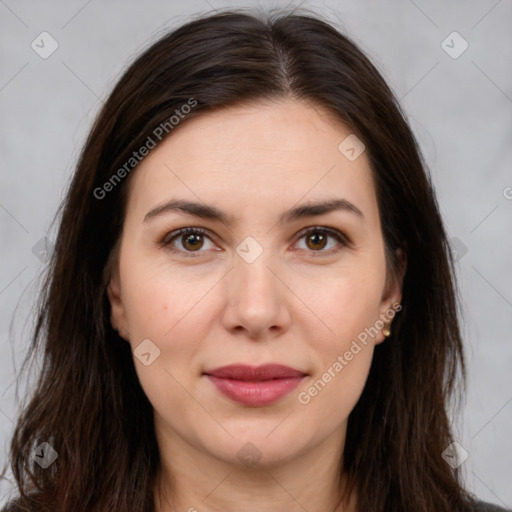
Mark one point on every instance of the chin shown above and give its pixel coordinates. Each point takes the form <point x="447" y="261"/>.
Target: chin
<point x="256" y="448"/>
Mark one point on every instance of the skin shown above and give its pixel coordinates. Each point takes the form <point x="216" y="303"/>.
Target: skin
<point x="299" y="303"/>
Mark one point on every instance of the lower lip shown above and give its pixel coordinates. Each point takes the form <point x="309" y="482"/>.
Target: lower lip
<point x="255" y="393"/>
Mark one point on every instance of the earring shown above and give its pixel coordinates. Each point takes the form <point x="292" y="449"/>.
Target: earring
<point x="387" y="330"/>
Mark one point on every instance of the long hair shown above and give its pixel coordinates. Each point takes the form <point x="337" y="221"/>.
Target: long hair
<point x="88" y="404"/>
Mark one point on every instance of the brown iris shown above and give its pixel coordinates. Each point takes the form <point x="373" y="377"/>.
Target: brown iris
<point x="192" y="241"/>
<point x="318" y="238"/>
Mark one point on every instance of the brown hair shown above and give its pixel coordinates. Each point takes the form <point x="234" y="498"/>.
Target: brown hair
<point x="88" y="403"/>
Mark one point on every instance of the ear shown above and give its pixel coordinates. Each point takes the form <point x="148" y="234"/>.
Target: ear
<point x="392" y="295"/>
<point x="117" y="310"/>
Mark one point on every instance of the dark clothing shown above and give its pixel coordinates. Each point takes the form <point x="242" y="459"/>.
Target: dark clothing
<point x="489" y="507"/>
<point x="480" y="506"/>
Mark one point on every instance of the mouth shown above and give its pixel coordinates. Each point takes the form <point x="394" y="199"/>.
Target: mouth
<point x="255" y="386"/>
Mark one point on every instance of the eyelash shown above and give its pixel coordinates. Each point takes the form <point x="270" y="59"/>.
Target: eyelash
<point x="337" y="235"/>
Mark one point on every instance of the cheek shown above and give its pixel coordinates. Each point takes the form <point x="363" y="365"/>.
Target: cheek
<point x="157" y="296"/>
<point x="333" y="393"/>
<point x="349" y="307"/>
<point x="173" y="309"/>
<point x="175" y="323"/>
<point x="169" y="312"/>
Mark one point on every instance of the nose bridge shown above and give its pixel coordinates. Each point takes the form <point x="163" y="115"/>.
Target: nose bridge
<point x="253" y="282"/>
<point x="255" y="295"/>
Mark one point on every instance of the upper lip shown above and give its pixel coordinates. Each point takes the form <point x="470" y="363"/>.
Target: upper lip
<point x="247" y="372"/>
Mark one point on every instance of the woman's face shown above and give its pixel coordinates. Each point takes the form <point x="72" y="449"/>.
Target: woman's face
<point x="252" y="288"/>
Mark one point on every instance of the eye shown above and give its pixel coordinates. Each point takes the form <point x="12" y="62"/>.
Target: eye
<point x="189" y="241"/>
<point x="317" y="238"/>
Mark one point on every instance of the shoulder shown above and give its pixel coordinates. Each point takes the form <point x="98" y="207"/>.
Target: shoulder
<point x="481" y="506"/>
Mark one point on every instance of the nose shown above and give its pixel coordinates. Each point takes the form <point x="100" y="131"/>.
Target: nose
<point x="257" y="300"/>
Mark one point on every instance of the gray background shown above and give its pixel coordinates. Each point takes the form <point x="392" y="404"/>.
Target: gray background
<point x="459" y="108"/>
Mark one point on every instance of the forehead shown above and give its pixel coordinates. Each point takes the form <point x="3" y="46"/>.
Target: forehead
<point x="266" y="155"/>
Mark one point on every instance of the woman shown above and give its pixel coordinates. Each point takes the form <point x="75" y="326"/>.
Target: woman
<point x="251" y="303"/>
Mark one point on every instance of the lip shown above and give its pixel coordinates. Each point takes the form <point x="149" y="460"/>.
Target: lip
<point x="255" y="386"/>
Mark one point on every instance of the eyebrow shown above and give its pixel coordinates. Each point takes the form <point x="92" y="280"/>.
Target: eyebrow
<point x="205" y="211"/>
